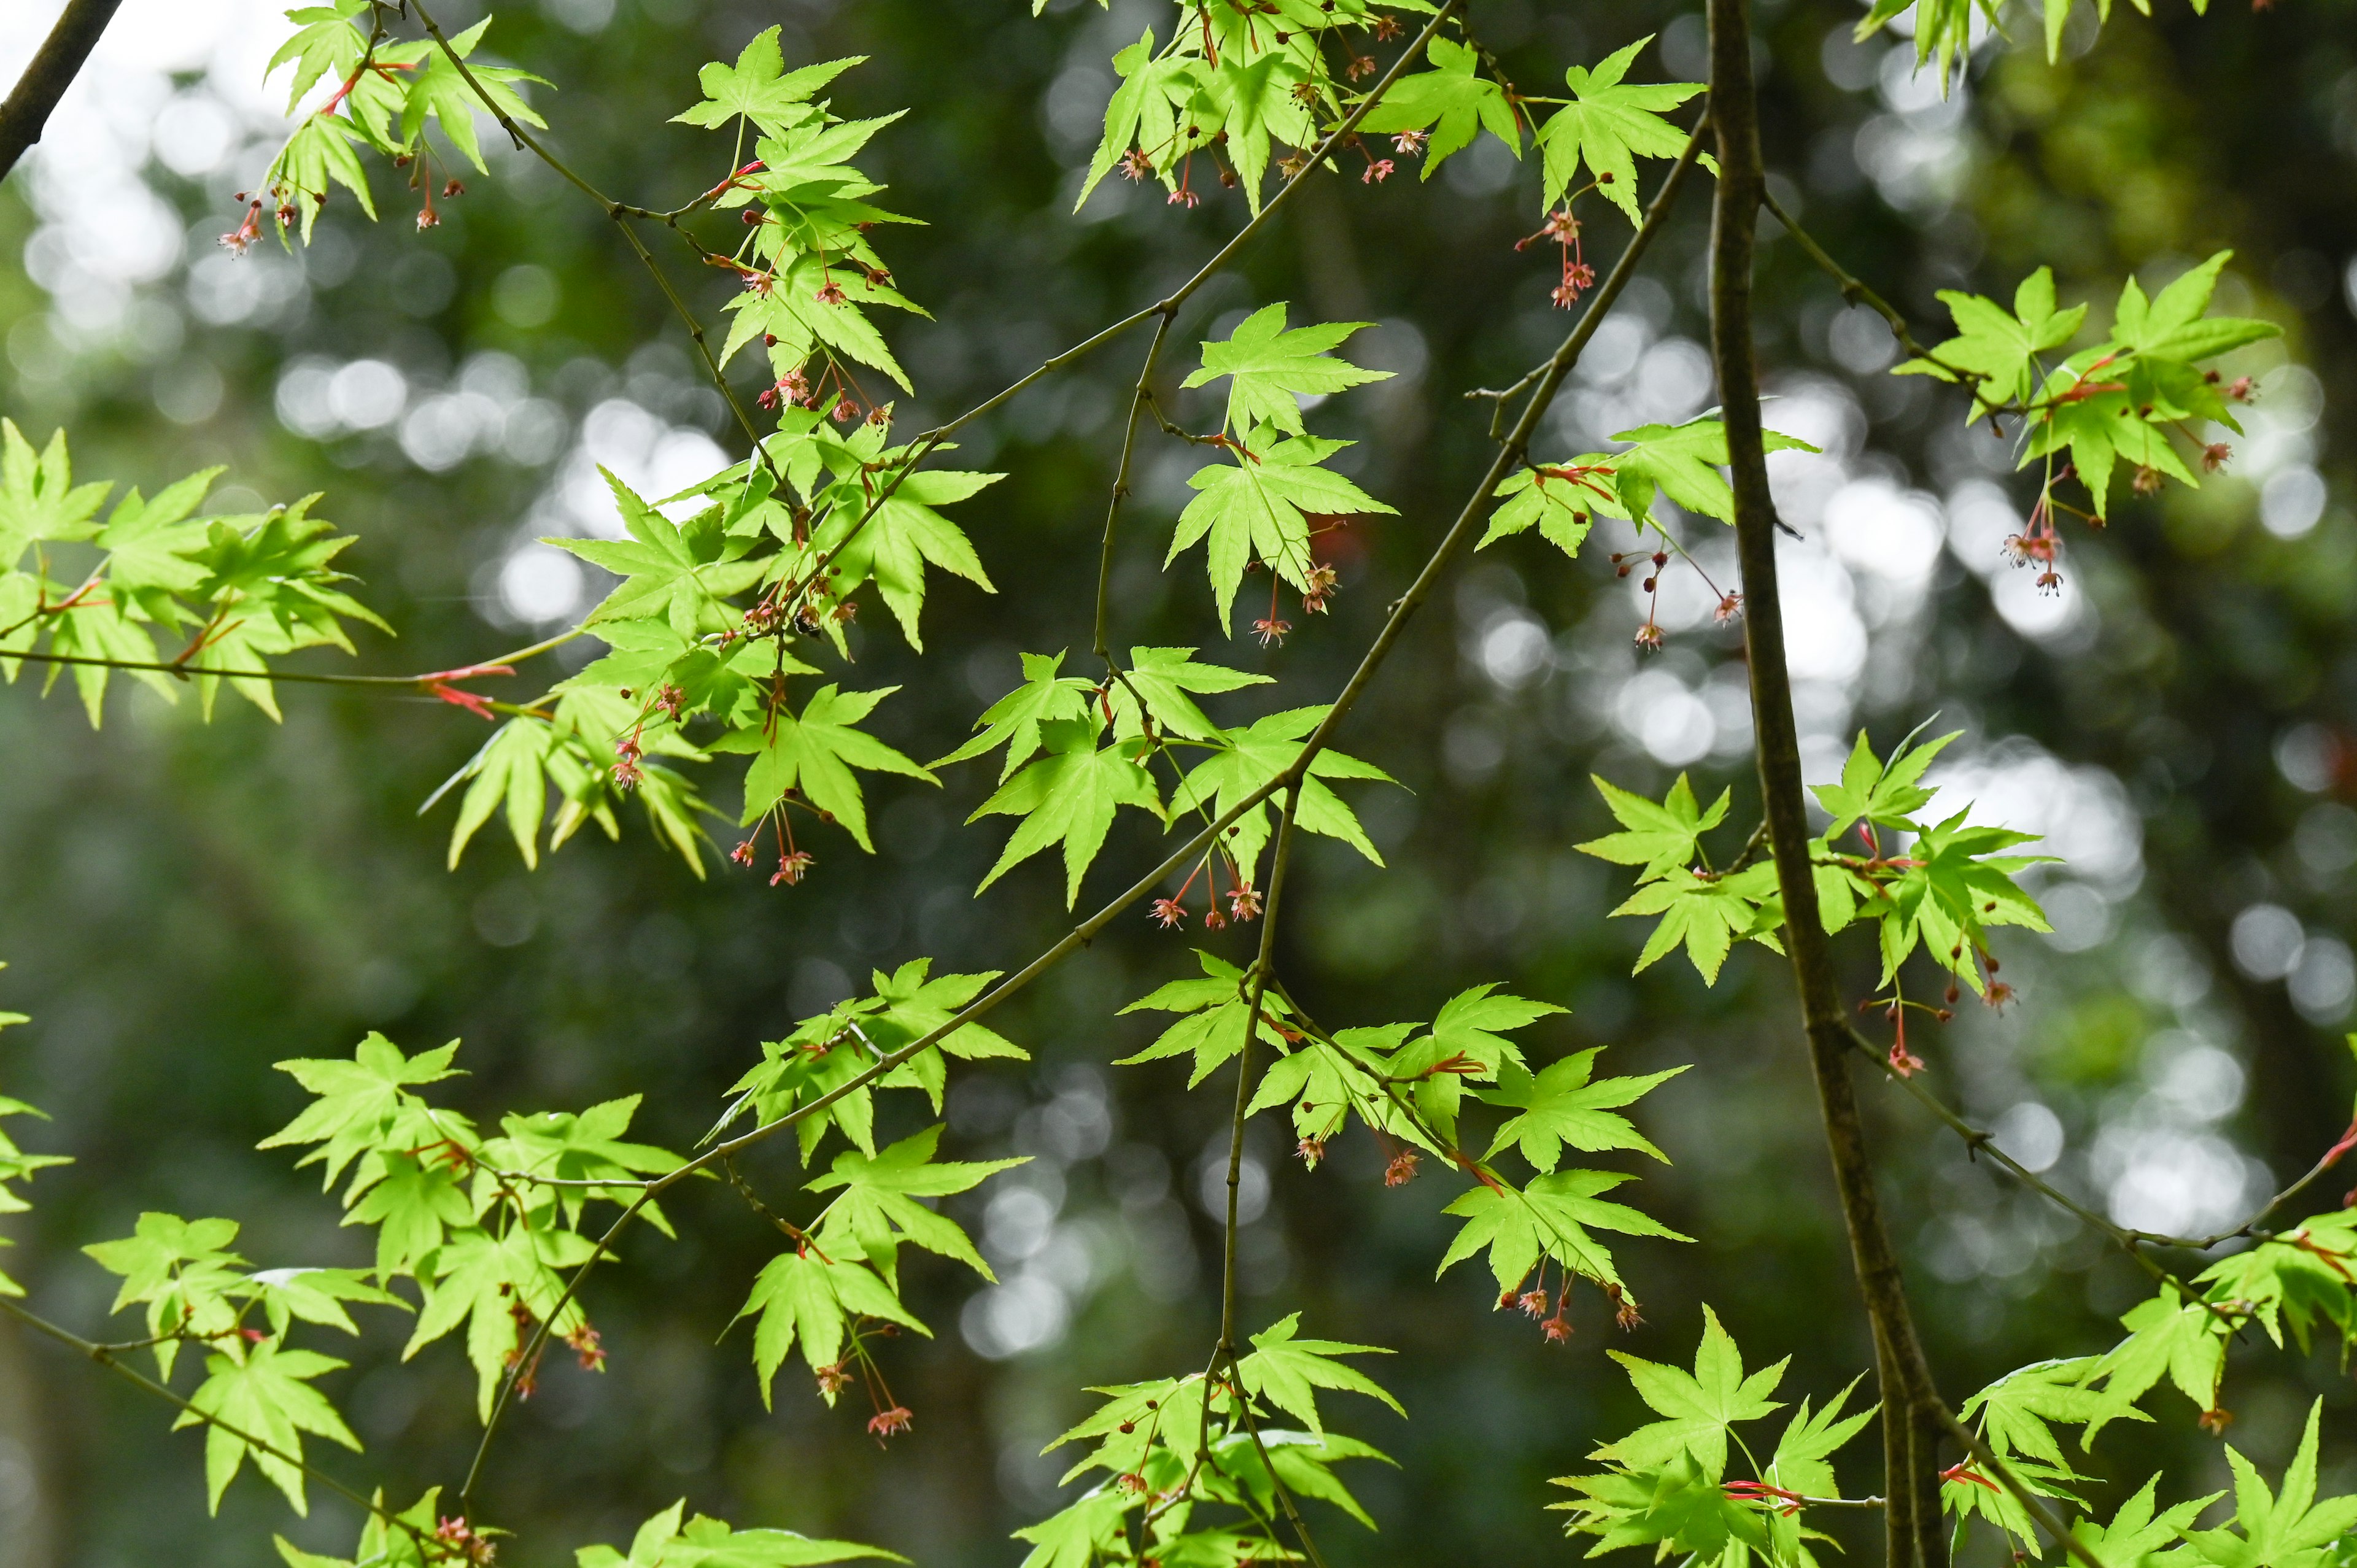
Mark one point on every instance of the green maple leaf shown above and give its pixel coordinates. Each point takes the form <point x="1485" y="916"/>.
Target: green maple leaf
<point x="2136" y="1532"/>
<point x="1258" y="507"/>
<point x="415" y="1206"/>
<point x="1681" y="462"/>
<point x="1242" y="1477"/>
<point x="1708" y="914"/>
<point x="1698" y="1408"/>
<point x="318" y="155"/>
<point x="1015" y="719"/>
<point x="1453" y="99"/>
<point x="1802" y="1460"/>
<point x="16" y="1165"/>
<point x="1679" y="1508"/>
<point x="1942" y="31"/>
<point x="1324" y="1082"/>
<point x="151" y="547"/>
<point x="804" y="1298"/>
<point x="264" y="1394"/>
<point x="1560" y="1106"/>
<point x="900" y="536"/>
<point x="102" y="628"/>
<point x="313" y="1295"/>
<point x="480" y="1278"/>
<point x="1247" y="97"/>
<point x="761" y="89"/>
<point x="1885" y="794"/>
<point x="2168" y="1338"/>
<point x="1211" y="1026"/>
<point x="438" y="90"/>
<point x="1167" y="679"/>
<point x="788" y="308"/>
<point x="2174" y="324"/>
<point x="1958" y="886"/>
<point x="38" y="500"/>
<point x="1560" y="502"/>
<point x="1610" y="124"/>
<point x="1142" y="112"/>
<point x="382" y="1544"/>
<point x="363" y="1104"/>
<point x="914" y="1007"/>
<point x="2284" y="1529"/>
<point x="509" y="771"/>
<point x="1272" y="368"/>
<point x="706" y="1542"/>
<point x="579" y="1147"/>
<point x="271" y="582"/>
<point x="679" y="571"/>
<point x="878" y="1208"/>
<point x="2016" y="1413"/>
<point x="1661" y="838"/>
<point x="1466" y="1043"/>
<point x="1288" y="1371"/>
<point x="327" y="39"/>
<point x="814" y="751"/>
<point x="1997" y="350"/>
<point x="1550" y="1218"/>
<point x="1068" y="797"/>
<point x="1248" y="758"/>
<point x="182" y="1270"/>
<point x="1072" y="1537"/>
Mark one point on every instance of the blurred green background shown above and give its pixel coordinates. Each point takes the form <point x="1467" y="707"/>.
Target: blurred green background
<point x="185" y="905"/>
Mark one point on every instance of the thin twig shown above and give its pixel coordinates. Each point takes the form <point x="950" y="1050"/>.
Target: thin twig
<point x="53" y="69"/>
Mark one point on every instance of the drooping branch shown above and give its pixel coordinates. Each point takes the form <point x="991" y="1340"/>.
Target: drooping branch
<point x="55" y="65"/>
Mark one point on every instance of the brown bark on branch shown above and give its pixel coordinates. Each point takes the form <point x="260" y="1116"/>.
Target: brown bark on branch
<point x="1911" y="1428"/>
<point x="60" y="60"/>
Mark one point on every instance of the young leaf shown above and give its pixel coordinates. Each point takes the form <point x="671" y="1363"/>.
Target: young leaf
<point x="1273" y="368"/>
<point x="815" y="752"/>
<point x="1015" y="719"/>
<point x="1068" y="797"/>
<point x="1661" y="838"/>
<point x="1610" y="124"/>
<point x="878" y="1208"/>
<point x="1550" y="1218"/>
<point x="1698" y="1408"/>
<point x="1454" y="100"/>
<point x="265" y="1395"/>
<point x="1288" y="1372"/>
<point x="1560" y="1106"/>
<point x="805" y="1298"/>
<point x="1258" y="508"/>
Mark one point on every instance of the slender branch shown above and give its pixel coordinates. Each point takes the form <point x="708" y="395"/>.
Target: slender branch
<point x="1258" y="994"/>
<point x="1138" y="400"/>
<point x="105" y="1356"/>
<point x="55" y="65"/>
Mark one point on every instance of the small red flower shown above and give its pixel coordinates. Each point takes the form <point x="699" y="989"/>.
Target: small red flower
<point x="891" y="1423"/>
<point x="1410" y="143"/>
<point x="792" y="868"/>
<point x="1244" y="902"/>
<point x="1730" y="605"/>
<point x="828" y="293"/>
<point x="1169" y="914"/>
<point x="1556" y="1328"/>
<point x="1136" y="165"/>
<point x="1271" y="630"/>
<point x="2214" y="455"/>
<point x="1533" y="1303"/>
<point x="586" y="1348"/>
<point x="1377" y="172"/>
<point x="1402" y="1169"/>
<point x="1311" y="1151"/>
<point x="1649" y="638"/>
<point x="1904" y="1062"/>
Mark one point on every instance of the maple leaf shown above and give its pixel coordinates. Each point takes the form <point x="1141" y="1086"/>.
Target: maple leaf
<point x="1708" y="914"/>
<point x="878" y="1208"/>
<point x="1169" y="679"/>
<point x="580" y="1147"/>
<point x="1288" y="1371"/>
<point x="1661" y="838"/>
<point x="1272" y="369"/>
<point x="1698" y="1408"/>
<point x="2283" y="1529"/>
<point x="761" y="89"/>
<point x="1257" y="507"/>
<point x="1142" y="110"/>
<point x="2168" y="1338"/>
<point x="1014" y="720"/>
<point x="2136" y="1532"/>
<point x="1997" y="351"/>
<point x="1325" y="1082"/>
<point x="508" y="772"/>
<point x="1681" y="462"/>
<point x="1885" y="794"/>
<point x="805" y="1299"/>
<point x="1549" y="1218"/>
<point x="678" y="571"/>
<point x="1956" y="887"/>
<point x="1466" y="1043"/>
<point x="452" y="100"/>
<point x="1068" y="797"/>
<point x="1248" y="758"/>
<point x="182" y="1270"/>
<point x="38" y="500"/>
<point x="479" y="1278"/>
<point x="1454" y="100"/>
<point x="706" y="1542"/>
<point x="1610" y="124"/>
<point x="414" y="1204"/>
<point x="1802" y="1462"/>
<point x="815" y="752"/>
<point x="320" y="153"/>
<point x="1560" y="1106"/>
<point x="2016" y="1413"/>
<point x="327" y="40"/>
<point x="901" y="534"/>
<point x="151" y="548"/>
<point x="363" y="1103"/>
<point x="1212" y="1026"/>
<point x="1074" y="1535"/>
<point x="1561" y="507"/>
<point x="264" y="1394"/>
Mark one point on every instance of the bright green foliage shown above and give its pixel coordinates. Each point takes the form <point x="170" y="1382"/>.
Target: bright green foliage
<point x="1045" y="696"/>
<point x="394" y="1539"/>
<point x="16" y="1165"/>
<point x="1698" y="1409"/>
<point x="878" y="1209"/>
<point x="1452" y="99"/>
<point x="1166" y="681"/>
<point x="1213" y="1013"/>
<point x="2285" y="1529"/>
<point x="1261" y="505"/>
<point x="1560" y="1106"/>
<point x="1610" y="124"/>
<point x="1167" y="1454"/>
<point x="2122" y="399"/>
<point x="232" y="593"/>
<point x="812" y="753"/>
<point x="1679" y="461"/>
<point x="1245" y="759"/>
<point x="1560" y="502"/>
<point x="1547" y="1221"/>
<point x="664" y="1542"/>
<point x="1660" y="838"/>
<point x="824" y="1053"/>
<point x="1271" y="369"/>
<point x="1068" y="797"/>
<point x="256" y="1404"/>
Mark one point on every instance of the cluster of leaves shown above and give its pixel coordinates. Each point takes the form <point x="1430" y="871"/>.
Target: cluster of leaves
<point x="1941" y="886"/>
<point x="15" y="1164"/>
<point x="1409" y="1084"/>
<point x="1681" y="462"/>
<point x="2128" y="399"/>
<point x="386" y="93"/>
<point x="231" y="593"/>
<point x="1174" y="1449"/>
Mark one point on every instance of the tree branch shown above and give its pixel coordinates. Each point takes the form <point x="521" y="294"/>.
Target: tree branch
<point x="55" y="65"/>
